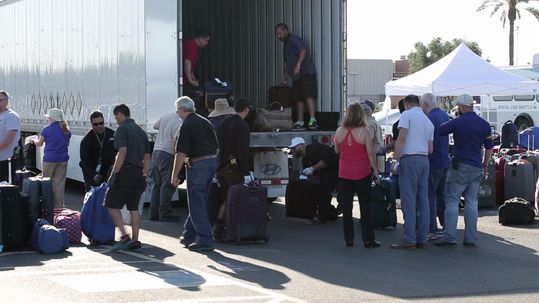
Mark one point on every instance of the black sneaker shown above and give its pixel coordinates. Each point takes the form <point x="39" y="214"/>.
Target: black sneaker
<point x="299" y="126"/>
<point x="184" y="242"/>
<point x="313" y="124"/>
<point x="200" y="247"/>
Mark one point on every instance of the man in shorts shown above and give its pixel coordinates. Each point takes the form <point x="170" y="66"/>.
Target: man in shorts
<point x="128" y="179"/>
<point x="300" y="66"/>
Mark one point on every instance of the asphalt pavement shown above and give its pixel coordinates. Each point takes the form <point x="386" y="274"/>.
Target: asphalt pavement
<point x="300" y="263"/>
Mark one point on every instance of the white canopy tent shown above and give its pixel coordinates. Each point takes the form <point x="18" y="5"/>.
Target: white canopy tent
<point x="462" y="72"/>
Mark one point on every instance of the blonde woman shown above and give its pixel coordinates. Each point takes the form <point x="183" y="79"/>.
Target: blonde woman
<point x="56" y="138"/>
<point x="357" y="162"/>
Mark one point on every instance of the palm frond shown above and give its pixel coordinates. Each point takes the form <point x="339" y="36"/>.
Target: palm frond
<point x="503" y="18"/>
<point x="518" y="13"/>
<point x="496" y="9"/>
<point x="533" y="11"/>
<point x="489" y="3"/>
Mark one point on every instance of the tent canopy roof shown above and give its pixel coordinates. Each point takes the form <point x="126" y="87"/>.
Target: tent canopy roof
<point x="462" y="72"/>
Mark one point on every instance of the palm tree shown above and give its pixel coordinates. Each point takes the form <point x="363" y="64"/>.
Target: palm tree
<point x="510" y="10"/>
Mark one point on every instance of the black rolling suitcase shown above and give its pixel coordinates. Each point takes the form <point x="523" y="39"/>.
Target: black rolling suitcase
<point x="40" y="197"/>
<point x="300" y="200"/>
<point x="384" y="197"/>
<point x="247" y="213"/>
<point x="13" y="218"/>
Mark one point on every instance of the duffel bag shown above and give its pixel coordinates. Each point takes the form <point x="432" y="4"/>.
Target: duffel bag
<point x="516" y="211"/>
<point x="70" y="221"/>
<point x="268" y="120"/>
<point x="48" y="239"/>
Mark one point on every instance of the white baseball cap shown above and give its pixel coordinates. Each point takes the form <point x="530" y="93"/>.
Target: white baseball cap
<point x="55" y="114"/>
<point x="296" y="141"/>
<point x="465" y="100"/>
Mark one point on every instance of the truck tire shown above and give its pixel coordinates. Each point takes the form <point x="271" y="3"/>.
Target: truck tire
<point x="523" y="123"/>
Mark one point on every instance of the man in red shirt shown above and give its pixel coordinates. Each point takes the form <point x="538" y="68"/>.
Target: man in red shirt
<point x="191" y="54"/>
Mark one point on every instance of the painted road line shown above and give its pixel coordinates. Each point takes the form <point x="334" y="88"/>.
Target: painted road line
<point x="220" y="299"/>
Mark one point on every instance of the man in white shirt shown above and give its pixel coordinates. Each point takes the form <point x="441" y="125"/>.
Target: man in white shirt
<point x="161" y="167"/>
<point x="10" y="133"/>
<point x="414" y="144"/>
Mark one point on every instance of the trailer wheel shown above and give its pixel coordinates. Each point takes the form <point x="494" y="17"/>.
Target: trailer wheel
<point x="523" y="123"/>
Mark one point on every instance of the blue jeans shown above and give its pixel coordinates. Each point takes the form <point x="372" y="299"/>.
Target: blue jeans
<point x="462" y="182"/>
<point x="437" y="197"/>
<point x="197" y="224"/>
<point x="413" y="185"/>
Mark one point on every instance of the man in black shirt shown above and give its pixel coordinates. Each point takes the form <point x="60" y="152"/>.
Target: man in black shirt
<point x="197" y="143"/>
<point x="97" y="152"/>
<point x="395" y="128"/>
<point x="234" y="138"/>
<point x="321" y="164"/>
<point x="128" y="179"/>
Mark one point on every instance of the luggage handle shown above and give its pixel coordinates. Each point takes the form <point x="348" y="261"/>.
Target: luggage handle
<point x="273" y="103"/>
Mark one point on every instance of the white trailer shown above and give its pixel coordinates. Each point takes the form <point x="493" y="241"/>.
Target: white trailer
<point x="85" y="55"/>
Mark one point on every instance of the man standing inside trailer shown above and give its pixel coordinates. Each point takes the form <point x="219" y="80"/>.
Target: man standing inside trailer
<point x="191" y="54"/>
<point x="300" y="66"/>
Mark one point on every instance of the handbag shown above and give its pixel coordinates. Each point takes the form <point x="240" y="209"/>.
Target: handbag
<point x="273" y="119"/>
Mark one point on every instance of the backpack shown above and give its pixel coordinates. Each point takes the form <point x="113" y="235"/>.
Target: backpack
<point x="509" y="135"/>
<point x="48" y="239"/>
<point x="516" y="211"/>
<point x="96" y="223"/>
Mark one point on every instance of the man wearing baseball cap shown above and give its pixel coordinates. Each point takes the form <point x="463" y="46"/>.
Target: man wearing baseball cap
<point x="471" y="134"/>
<point x="319" y="160"/>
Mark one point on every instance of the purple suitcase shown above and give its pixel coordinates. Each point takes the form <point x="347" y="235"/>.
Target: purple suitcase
<point x="247" y="213"/>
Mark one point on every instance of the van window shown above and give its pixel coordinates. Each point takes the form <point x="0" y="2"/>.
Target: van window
<point x="524" y="97"/>
<point x="503" y="98"/>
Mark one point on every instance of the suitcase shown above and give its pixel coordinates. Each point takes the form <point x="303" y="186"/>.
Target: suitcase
<point x="534" y="160"/>
<point x="519" y="180"/>
<point x="96" y="223"/>
<point x="528" y="138"/>
<point x="281" y="94"/>
<point x="214" y="202"/>
<point x="247" y="213"/>
<point x="500" y="166"/>
<point x="214" y="90"/>
<point x="21" y="175"/>
<point x="14" y="218"/>
<point x="510" y="135"/>
<point x="516" y="211"/>
<point x="70" y="221"/>
<point x="40" y="195"/>
<point x="384" y="207"/>
<point x="486" y="197"/>
<point x="300" y="199"/>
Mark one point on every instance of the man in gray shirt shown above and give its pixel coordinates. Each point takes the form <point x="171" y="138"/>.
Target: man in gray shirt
<point x="299" y="64"/>
<point x="161" y="167"/>
<point x="10" y="133"/>
<point x="128" y="179"/>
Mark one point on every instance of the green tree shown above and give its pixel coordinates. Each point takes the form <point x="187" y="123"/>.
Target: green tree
<point x="425" y="55"/>
<point x="510" y="10"/>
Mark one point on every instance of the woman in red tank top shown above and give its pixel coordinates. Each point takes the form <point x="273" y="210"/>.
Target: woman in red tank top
<point x="356" y="162"/>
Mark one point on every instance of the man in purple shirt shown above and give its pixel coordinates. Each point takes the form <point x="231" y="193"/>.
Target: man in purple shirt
<point x="471" y="133"/>
<point x="439" y="162"/>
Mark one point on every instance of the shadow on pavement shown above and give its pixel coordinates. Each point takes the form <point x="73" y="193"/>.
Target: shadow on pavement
<point x="318" y="251"/>
<point x="266" y="277"/>
<point x="11" y="260"/>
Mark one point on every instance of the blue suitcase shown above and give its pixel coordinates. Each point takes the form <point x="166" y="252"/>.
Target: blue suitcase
<point x="96" y="223"/>
<point x="41" y="197"/>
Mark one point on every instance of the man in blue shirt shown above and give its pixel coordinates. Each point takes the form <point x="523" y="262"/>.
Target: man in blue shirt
<point x="439" y="162"/>
<point x="300" y="65"/>
<point x="471" y="133"/>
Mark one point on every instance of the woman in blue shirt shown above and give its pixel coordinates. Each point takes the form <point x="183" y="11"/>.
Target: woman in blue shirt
<point x="56" y="138"/>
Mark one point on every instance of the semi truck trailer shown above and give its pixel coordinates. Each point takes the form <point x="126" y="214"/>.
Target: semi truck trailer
<point x="86" y="55"/>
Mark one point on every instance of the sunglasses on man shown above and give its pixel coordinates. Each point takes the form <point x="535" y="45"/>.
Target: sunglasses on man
<point x="98" y="123"/>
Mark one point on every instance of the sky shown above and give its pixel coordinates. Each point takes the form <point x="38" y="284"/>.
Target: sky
<point x="387" y="29"/>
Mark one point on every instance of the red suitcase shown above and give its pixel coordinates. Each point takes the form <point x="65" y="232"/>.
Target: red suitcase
<point x="500" y="165"/>
<point x="247" y="213"/>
